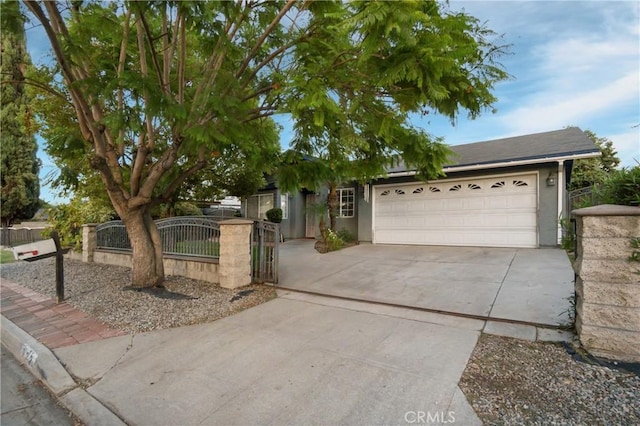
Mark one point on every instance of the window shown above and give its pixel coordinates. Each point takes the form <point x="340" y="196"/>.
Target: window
<point x="284" y="205"/>
<point x="346" y="196"/>
<point x="257" y="205"/>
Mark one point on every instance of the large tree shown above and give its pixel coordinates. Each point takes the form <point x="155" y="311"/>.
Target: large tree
<point x="595" y="171"/>
<point x="351" y="120"/>
<point x="19" y="164"/>
<point x="160" y="90"/>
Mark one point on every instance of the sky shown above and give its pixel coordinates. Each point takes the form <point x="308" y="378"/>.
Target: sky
<point x="573" y="63"/>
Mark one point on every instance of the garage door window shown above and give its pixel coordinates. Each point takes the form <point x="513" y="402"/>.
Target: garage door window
<point x="346" y="197"/>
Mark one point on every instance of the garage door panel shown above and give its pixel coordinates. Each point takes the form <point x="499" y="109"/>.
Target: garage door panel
<point x="499" y="212"/>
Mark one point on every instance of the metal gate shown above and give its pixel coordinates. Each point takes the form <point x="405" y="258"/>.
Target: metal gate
<point x="265" y="244"/>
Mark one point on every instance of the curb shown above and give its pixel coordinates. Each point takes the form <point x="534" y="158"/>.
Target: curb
<point x="44" y="365"/>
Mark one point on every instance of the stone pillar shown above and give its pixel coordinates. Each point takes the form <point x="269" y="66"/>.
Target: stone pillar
<point x="608" y="281"/>
<point x="235" y="253"/>
<point x="89" y="241"/>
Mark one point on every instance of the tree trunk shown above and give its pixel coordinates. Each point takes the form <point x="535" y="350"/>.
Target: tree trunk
<point x="332" y="205"/>
<point x="146" y="262"/>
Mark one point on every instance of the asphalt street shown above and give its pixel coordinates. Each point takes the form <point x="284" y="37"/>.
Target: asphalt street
<point x="24" y="401"/>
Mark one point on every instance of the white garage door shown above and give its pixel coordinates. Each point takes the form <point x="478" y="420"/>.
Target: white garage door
<point x="489" y="212"/>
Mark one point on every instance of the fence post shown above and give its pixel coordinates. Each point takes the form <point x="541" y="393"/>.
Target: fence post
<point x="89" y="241"/>
<point x="608" y="282"/>
<point x="235" y="253"/>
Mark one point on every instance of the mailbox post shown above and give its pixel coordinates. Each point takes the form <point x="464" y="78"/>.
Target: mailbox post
<point x="41" y="250"/>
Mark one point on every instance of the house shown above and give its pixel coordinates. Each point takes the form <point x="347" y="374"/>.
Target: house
<point x="507" y="192"/>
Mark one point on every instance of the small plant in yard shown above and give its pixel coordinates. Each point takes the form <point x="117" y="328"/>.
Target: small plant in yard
<point x="571" y="313"/>
<point x="274" y="215"/>
<point x="568" y="235"/>
<point x="334" y="242"/>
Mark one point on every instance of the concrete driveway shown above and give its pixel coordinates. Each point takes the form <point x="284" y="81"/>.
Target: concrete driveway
<point x="288" y="361"/>
<point x="531" y="285"/>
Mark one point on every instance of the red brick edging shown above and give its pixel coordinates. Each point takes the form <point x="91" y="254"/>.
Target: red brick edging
<point x="53" y="324"/>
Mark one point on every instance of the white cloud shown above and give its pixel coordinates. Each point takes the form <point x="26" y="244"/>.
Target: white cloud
<point x="555" y="109"/>
<point x="627" y="145"/>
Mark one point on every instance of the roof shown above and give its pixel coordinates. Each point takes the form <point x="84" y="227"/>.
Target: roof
<point x="565" y="144"/>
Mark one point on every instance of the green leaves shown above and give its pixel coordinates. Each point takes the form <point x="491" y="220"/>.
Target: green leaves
<point x="19" y="165"/>
<point x="176" y="82"/>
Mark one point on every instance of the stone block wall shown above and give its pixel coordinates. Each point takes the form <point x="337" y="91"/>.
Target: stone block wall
<point x="607" y="282"/>
<point x="231" y="270"/>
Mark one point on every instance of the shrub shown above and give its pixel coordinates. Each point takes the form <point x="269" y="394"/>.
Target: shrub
<point x="274" y="215"/>
<point x="68" y="219"/>
<point x="181" y="208"/>
<point x="334" y="242"/>
<point x="184" y="208"/>
<point x="622" y="187"/>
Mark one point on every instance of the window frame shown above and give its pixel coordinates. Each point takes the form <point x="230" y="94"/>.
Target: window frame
<point x="346" y="193"/>
<point x="257" y="197"/>
<point x="284" y="205"/>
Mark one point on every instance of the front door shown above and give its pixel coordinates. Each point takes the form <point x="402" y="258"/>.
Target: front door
<point x="310" y="229"/>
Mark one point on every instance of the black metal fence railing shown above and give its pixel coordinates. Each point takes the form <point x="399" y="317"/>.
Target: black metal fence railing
<point x="265" y="245"/>
<point x="181" y="236"/>
<point x="583" y="197"/>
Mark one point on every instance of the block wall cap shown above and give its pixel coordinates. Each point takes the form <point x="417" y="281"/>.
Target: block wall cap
<point x="236" y="222"/>
<point x="608" y="210"/>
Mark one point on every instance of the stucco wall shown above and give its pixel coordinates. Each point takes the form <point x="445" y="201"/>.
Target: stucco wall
<point x="548" y="215"/>
<point x="294" y="225"/>
<point x="365" y="215"/>
<point x="608" y="282"/>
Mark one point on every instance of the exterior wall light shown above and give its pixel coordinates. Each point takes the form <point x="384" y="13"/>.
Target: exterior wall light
<point x="551" y="179"/>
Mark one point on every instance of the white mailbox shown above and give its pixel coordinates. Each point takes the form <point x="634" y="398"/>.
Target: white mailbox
<point x="35" y="251"/>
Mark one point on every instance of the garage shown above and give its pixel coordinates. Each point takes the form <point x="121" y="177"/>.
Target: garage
<point x="498" y="211"/>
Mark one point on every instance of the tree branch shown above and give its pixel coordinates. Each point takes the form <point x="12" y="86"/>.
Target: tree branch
<point x="164" y="85"/>
<point x="121" y="60"/>
<point x="263" y="37"/>
<point x="138" y="165"/>
<point x="177" y="182"/>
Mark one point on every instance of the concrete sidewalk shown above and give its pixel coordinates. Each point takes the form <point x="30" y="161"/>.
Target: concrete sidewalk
<point x="528" y="285"/>
<point x="296" y="359"/>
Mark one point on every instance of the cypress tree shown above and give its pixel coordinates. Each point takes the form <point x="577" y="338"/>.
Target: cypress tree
<point x="19" y="165"/>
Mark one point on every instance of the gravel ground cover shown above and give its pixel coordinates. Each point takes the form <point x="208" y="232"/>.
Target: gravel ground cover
<point x="103" y="292"/>
<point x="510" y="381"/>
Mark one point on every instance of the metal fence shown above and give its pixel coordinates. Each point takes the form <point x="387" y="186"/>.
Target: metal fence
<point x="265" y="245"/>
<point x="112" y="235"/>
<point x="10" y="237"/>
<point x="181" y="236"/>
<point x="583" y="197"/>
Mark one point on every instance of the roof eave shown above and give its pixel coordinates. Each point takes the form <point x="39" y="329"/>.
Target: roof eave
<point x="524" y="162"/>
